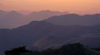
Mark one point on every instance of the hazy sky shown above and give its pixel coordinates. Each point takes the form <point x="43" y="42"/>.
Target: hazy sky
<point x="72" y="6"/>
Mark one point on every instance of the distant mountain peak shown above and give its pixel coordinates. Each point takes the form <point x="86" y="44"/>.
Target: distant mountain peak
<point x="45" y="11"/>
<point x="14" y="12"/>
<point x="73" y="14"/>
<point x="33" y="22"/>
<point x="3" y="12"/>
<point x="39" y="22"/>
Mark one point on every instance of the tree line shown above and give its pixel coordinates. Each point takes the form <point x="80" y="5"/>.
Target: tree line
<point x="70" y="49"/>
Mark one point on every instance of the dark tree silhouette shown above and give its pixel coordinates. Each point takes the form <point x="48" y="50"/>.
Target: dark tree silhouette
<point x="17" y="51"/>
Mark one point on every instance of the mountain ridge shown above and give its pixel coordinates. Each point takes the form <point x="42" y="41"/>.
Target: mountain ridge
<point x="15" y="19"/>
<point x="74" y="19"/>
<point x="37" y="30"/>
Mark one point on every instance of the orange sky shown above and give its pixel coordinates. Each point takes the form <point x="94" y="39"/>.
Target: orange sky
<point x="72" y="6"/>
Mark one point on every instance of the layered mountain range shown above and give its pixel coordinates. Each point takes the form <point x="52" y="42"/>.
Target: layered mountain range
<point x="40" y="35"/>
<point x="14" y="19"/>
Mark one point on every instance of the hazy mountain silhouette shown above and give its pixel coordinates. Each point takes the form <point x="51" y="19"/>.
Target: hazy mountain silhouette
<point x="2" y="14"/>
<point x="13" y="19"/>
<point x="74" y="19"/>
<point x="25" y="12"/>
<point x="44" y="14"/>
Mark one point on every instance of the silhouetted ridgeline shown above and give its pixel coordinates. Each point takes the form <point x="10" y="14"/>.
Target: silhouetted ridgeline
<point x="74" y="19"/>
<point x="70" y="49"/>
<point x="13" y="19"/>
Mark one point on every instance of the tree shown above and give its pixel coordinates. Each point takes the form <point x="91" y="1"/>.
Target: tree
<point x="17" y="51"/>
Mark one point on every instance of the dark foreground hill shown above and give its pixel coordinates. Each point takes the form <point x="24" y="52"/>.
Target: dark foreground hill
<point x="38" y="30"/>
<point x="56" y="42"/>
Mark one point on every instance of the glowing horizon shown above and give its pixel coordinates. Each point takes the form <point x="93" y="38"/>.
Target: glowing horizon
<point x="71" y="6"/>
